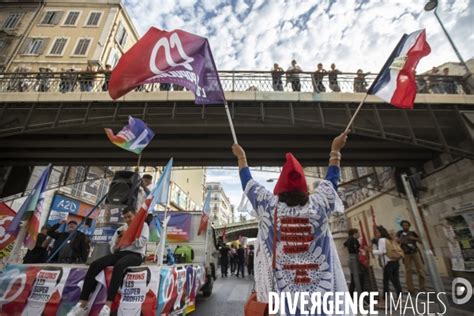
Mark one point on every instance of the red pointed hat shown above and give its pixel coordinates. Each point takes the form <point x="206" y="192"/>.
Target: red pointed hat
<point x="292" y="177"/>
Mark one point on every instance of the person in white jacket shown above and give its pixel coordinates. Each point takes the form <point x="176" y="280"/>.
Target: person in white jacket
<point x="120" y="259"/>
<point x="391" y="267"/>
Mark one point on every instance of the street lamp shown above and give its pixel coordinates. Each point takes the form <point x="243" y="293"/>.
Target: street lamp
<point x="433" y="5"/>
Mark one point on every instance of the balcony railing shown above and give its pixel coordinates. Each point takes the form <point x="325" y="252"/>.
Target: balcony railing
<point x="66" y="82"/>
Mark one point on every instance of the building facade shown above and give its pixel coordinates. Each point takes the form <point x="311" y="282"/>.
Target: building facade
<point x="63" y="34"/>
<point x="187" y="188"/>
<point x="221" y="209"/>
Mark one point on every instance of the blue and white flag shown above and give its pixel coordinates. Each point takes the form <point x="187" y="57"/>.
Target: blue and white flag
<point x="162" y="188"/>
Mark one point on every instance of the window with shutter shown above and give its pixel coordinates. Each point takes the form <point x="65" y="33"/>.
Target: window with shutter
<point x="57" y="17"/>
<point x="94" y="18"/>
<point x="71" y="18"/>
<point x="48" y="18"/>
<point x="42" y="47"/>
<point x="123" y="40"/>
<point x="82" y="46"/>
<point x="119" y="33"/>
<point x="3" y="45"/>
<point x="12" y="21"/>
<point x="58" y="46"/>
<point x="34" y="46"/>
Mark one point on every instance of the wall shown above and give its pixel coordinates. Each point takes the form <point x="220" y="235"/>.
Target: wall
<point x="192" y="182"/>
<point x="448" y="189"/>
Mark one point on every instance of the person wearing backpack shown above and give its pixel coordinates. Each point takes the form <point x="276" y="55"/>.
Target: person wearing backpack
<point x="391" y="253"/>
<point x="408" y="240"/>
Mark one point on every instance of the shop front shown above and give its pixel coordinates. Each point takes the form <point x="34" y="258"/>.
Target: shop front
<point x="66" y="208"/>
<point x="459" y="232"/>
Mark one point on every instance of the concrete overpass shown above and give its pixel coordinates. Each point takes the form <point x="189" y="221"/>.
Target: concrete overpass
<point x="67" y="128"/>
<point x="234" y="231"/>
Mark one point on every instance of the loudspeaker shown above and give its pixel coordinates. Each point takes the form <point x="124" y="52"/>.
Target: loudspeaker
<point x="123" y="189"/>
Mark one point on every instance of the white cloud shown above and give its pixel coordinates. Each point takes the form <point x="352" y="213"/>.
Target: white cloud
<point x="353" y="34"/>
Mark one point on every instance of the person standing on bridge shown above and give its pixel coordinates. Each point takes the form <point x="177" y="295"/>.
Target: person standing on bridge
<point x="295" y="251"/>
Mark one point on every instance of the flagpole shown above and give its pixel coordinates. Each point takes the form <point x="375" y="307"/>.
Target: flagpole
<point x="161" y="248"/>
<point x="139" y="161"/>
<point x="229" y="117"/>
<point x="355" y="114"/>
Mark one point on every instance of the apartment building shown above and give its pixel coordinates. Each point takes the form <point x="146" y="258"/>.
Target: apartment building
<point x="221" y="209"/>
<point x="63" y="34"/>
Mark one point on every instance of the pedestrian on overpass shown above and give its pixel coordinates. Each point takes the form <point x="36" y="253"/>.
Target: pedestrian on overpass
<point x="294" y="250"/>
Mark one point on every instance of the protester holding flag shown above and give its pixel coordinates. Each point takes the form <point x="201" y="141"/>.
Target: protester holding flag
<point x="77" y="248"/>
<point x="295" y="251"/>
<point x="121" y="258"/>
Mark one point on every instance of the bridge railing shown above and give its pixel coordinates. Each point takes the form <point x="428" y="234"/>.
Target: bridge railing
<point x="73" y="81"/>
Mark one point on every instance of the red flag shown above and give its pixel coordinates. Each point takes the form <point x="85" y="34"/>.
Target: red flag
<point x="6" y="239"/>
<point x="176" y="57"/>
<point x="203" y="223"/>
<point x="205" y="214"/>
<point x="134" y="231"/>
<point x="363" y="258"/>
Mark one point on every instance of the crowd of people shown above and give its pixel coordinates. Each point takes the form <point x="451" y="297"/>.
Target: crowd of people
<point x="390" y="248"/>
<point x="238" y="258"/>
<point x="96" y="79"/>
<point x="434" y="82"/>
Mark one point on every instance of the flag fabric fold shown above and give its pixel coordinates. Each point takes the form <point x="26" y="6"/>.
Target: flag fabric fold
<point x="175" y="57"/>
<point x="155" y="229"/>
<point x="396" y="82"/>
<point x="133" y="137"/>
<point x="162" y="187"/>
<point x="31" y="210"/>
<point x="206" y="209"/>
<point x="134" y="231"/>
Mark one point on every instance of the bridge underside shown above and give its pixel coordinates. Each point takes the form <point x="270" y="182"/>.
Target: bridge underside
<point x="71" y="133"/>
<point x="249" y="233"/>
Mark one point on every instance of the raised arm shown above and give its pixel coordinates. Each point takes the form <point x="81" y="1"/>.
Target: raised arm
<point x="335" y="156"/>
<point x="260" y="198"/>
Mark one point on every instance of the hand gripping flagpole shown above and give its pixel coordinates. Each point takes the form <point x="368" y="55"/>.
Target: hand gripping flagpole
<point x="231" y="124"/>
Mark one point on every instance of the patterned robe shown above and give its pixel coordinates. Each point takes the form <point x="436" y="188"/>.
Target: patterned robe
<point x="306" y="256"/>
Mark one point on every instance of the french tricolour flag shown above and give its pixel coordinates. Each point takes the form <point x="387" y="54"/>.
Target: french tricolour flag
<point x="396" y="82"/>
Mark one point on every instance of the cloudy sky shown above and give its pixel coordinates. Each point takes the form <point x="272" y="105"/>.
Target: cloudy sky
<point x="252" y="35"/>
<point x="354" y="34"/>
